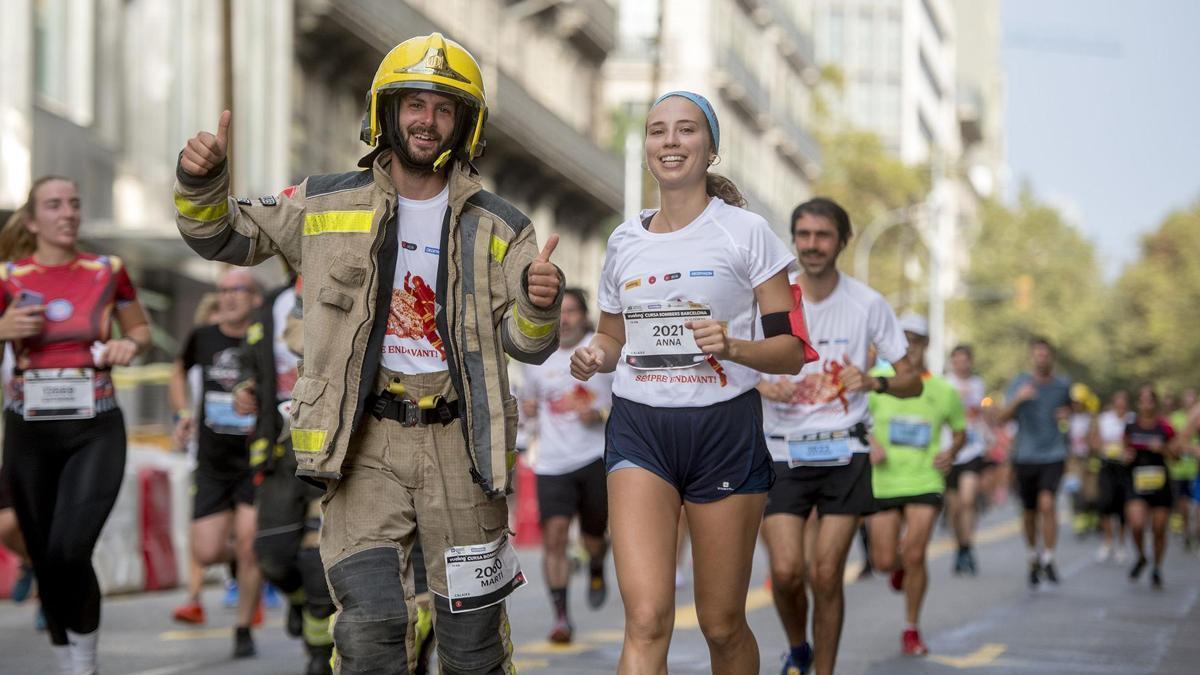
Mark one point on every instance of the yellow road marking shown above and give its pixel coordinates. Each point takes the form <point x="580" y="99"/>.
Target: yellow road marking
<point x="522" y="664"/>
<point x="984" y="656"/>
<point x="552" y="648"/>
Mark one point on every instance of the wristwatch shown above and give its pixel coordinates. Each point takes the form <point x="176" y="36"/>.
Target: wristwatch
<point x="881" y="385"/>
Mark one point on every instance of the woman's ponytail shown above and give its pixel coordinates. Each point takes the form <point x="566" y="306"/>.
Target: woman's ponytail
<point x="717" y="185"/>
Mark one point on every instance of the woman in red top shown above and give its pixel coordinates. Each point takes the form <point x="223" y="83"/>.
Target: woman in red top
<point x="64" y="440"/>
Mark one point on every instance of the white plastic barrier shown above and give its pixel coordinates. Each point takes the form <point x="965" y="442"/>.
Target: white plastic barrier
<point x="118" y="556"/>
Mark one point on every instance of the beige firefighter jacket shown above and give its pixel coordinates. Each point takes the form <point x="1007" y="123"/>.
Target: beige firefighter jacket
<point x="339" y="231"/>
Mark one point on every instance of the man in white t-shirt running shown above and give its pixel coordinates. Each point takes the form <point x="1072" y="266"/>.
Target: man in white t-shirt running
<point x="569" y="461"/>
<point x="962" y="484"/>
<point x="816" y="425"/>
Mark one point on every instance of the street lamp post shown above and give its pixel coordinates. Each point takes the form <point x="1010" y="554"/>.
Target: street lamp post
<point x="931" y="220"/>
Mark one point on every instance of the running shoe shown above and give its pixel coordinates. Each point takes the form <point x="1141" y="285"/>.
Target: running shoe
<point x="1050" y="573"/>
<point x="1137" y="568"/>
<point x="960" y="564"/>
<point x="23" y="586"/>
<point x="295" y="620"/>
<point x="562" y="632"/>
<point x="1104" y="553"/>
<point x="896" y="581"/>
<point x="797" y="664"/>
<point x="911" y="643"/>
<point x="271" y="597"/>
<point x="192" y="612"/>
<point x="969" y="562"/>
<point x="597" y="591"/>
<point x="1156" y="578"/>
<point x="1035" y="571"/>
<point x="231" y="594"/>
<point x="243" y="643"/>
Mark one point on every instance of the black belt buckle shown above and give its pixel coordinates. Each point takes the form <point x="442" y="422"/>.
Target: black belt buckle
<point x="410" y="412"/>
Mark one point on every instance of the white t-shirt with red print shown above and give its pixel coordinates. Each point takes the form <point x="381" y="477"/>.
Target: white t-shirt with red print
<point x="842" y="326"/>
<point x="564" y="443"/>
<point x="717" y="260"/>
<point x="411" y="343"/>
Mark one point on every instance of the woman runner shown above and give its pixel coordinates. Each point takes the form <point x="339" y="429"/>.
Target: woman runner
<point x="680" y="293"/>
<point x="64" y="440"/>
<point x="1149" y="441"/>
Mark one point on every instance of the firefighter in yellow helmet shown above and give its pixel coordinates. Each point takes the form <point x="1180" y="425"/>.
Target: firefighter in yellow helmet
<point x="417" y="284"/>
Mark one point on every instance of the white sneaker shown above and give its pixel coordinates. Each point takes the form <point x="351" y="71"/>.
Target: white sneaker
<point x="1104" y="553"/>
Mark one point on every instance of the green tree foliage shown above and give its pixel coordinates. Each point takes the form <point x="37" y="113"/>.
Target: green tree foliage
<point x="1153" y="323"/>
<point x="1032" y="274"/>
<point x="871" y="183"/>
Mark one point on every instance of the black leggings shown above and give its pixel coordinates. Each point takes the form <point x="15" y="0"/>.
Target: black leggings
<point x="65" y="476"/>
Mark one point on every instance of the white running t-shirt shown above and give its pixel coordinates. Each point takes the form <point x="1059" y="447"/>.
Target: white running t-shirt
<point x="971" y="390"/>
<point x="1111" y="428"/>
<point x="716" y="260"/>
<point x="843" y="325"/>
<point x="411" y="343"/>
<point x="564" y="443"/>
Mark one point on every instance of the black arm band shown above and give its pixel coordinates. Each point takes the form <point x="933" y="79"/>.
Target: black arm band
<point x="776" y="323"/>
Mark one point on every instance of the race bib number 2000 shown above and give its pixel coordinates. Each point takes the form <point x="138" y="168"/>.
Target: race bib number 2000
<point x="656" y="336"/>
<point x="480" y="576"/>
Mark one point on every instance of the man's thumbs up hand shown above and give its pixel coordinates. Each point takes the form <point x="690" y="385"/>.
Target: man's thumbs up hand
<point x="204" y="151"/>
<point x="542" y="276"/>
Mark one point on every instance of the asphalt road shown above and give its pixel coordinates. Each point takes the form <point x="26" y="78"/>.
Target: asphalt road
<point x="1096" y="621"/>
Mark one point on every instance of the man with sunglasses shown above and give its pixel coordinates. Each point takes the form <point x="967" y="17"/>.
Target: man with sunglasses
<point x="223" y="489"/>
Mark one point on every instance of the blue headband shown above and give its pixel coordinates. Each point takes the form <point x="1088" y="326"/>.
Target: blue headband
<point x="705" y="107"/>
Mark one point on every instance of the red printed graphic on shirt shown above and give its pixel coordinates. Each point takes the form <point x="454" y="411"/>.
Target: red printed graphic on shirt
<point x="575" y="400"/>
<point x="823" y="387"/>
<point x="414" y="313"/>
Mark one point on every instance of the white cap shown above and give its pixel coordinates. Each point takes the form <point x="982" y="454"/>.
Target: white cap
<point x="915" y="324"/>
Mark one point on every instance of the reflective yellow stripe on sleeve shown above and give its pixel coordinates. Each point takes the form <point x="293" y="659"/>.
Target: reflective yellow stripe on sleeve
<point x="308" y="440"/>
<point x="200" y="212"/>
<point x="499" y="248"/>
<point x="330" y="222"/>
<point x="258" y="451"/>
<point x="531" y="329"/>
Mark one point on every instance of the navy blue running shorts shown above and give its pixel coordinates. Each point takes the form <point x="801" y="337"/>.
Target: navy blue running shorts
<point x="706" y="453"/>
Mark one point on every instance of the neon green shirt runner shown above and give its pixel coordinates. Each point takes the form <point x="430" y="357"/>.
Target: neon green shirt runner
<point x="1186" y="467"/>
<point x="910" y="431"/>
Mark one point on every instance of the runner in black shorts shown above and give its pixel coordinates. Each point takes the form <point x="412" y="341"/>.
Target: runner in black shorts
<point x="1149" y="442"/>
<point x="817" y="425"/>
<point x="1040" y="403"/>
<point x="569" y="462"/>
<point x="223" y="498"/>
<point x="679" y="292"/>
<point x="962" y="484"/>
<point x="64" y="435"/>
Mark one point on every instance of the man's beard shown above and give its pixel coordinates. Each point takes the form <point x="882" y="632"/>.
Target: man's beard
<point x="413" y="163"/>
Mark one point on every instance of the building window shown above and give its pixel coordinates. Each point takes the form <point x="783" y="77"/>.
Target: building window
<point x="64" y="44"/>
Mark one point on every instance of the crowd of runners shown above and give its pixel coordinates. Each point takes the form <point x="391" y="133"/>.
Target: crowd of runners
<point x="354" y="431"/>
